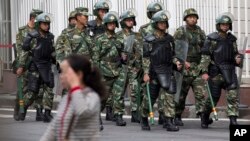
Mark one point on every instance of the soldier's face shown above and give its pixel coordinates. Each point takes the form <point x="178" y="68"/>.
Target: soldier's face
<point x="162" y="25"/>
<point x="191" y="20"/>
<point x="224" y="27"/>
<point x="129" y="22"/>
<point x="82" y="20"/>
<point x="102" y="12"/>
<point x="44" y="26"/>
<point x="111" y="26"/>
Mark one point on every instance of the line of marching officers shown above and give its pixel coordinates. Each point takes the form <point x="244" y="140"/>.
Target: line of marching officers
<point x="132" y="59"/>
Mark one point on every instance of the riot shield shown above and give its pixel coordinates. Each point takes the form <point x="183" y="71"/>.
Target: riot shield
<point x="240" y="69"/>
<point x="181" y="50"/>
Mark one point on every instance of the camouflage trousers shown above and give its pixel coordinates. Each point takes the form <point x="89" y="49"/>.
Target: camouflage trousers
<point x="231" y="95"/>
<point x="24" y="88"/>
<point x="198" y="86"/>
<point x="119" y="89"/>
<point x="108" y="101"/>
<point x="160" y="101"/>
<point x="167" y="100"/>
<point x="135" y="85"/>
<point x="45" y="95"/>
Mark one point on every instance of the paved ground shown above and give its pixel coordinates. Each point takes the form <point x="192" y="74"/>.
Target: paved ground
<point x="30" y="130"/>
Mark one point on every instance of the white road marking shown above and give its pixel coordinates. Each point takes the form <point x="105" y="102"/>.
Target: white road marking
<point x="124" y="116"/>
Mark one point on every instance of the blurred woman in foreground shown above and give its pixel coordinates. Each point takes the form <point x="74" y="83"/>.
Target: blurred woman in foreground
<point x="78" y="113"/>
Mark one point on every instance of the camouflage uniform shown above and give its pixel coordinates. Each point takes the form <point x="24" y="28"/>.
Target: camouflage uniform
<point x="96" y="26"/>
<point x="134" y="66"/>
<point x="106" y="55"/>
<point x="192" y="77"/>
<point x="60" y="41"/>
<point x="74" y="41"/>
<point x="22" y="32"/>
<point x="152" y="8"/>
<point x="157" y="68"/>
<point x="37" y="79"/>
<point x="218" y="59"/>
<point x="131" y="67"/>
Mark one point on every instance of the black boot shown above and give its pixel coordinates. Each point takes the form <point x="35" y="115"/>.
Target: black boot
<point x="233" y="120"/>
<point x="178" y="120"/>
<point x="134" y="117"/>
<point x="205" y="120"/>
<point x="16" y="111"/>
<point x="144" y="123"/>
<point x="114" y="119"/>
<point x="169" y="124"/>
<point x="47" y="116"/>
<point x="109" y="114"/>
<point x="161" y="118"/>
<point x="101" y="125"/>
<point x="120" y="121"/>
<point x="23" y="115"/>
<point x="39" y="114"/>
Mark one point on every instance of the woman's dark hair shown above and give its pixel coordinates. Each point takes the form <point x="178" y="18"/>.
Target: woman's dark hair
<point x="91" y="75"/>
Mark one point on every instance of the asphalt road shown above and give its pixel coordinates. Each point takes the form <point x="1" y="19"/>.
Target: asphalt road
<point x="30" y="130"/>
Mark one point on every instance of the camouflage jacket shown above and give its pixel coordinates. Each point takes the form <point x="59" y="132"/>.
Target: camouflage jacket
<point x="22" y="32"/>
<point x="195" y="39"/>
<point x="135" y="56"/>
<point x="59" y="47"/>
<point x="106" y="54"/>
<point x="74" y="41"/>
<point x="145" y="29"/>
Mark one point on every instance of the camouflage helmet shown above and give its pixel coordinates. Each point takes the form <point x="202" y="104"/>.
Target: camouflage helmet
<point x="44" y="17"/>
<point x="82" y="11"/>
<point x="72" y="14"/>
<point x="130" y="13"/>
<point x="188" y="12"/>
<point x="35" y="12"/>
<point x="226" y="17"/>
<point x="111" y="17"/>
<point x="161" y="16"/>
<point x="101" y="4"/>
<point x="153" y="8"/>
